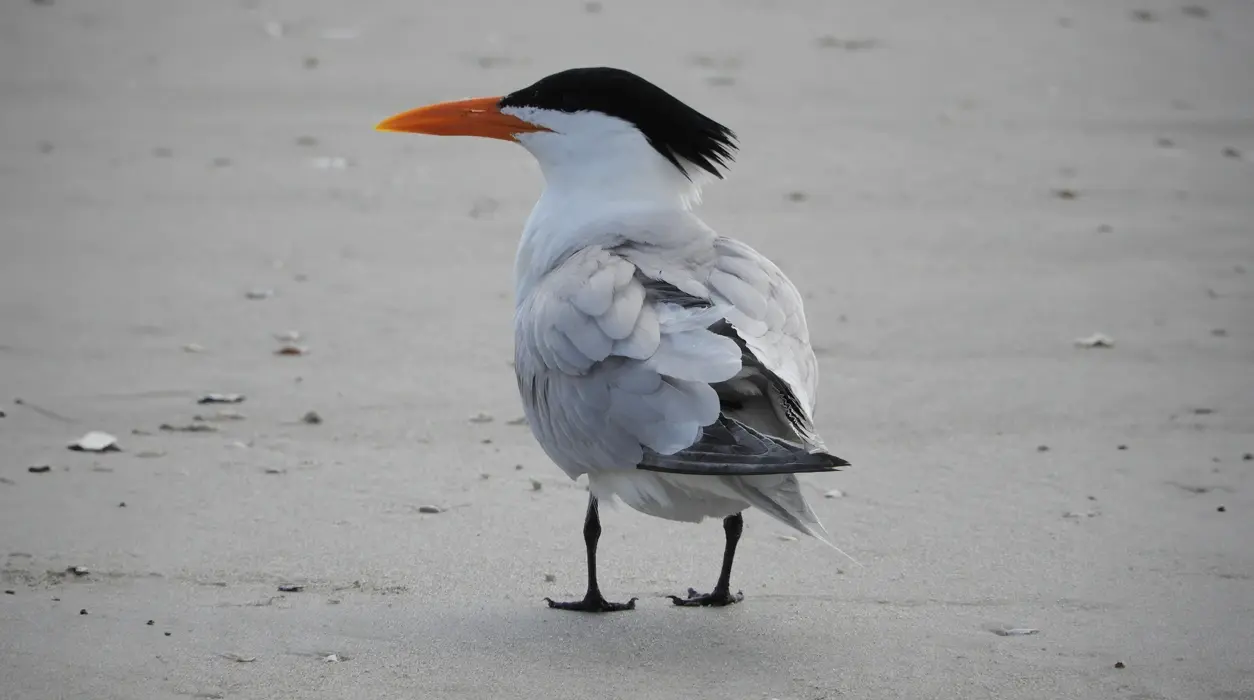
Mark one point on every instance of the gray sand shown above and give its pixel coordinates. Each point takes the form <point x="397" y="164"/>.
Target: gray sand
<point x="158" y="165"/>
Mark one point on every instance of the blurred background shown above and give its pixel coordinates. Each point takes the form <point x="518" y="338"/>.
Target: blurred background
<point x="964" y="191"/>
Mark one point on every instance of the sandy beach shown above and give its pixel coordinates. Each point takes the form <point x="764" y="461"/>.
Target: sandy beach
<point x="962" y="190"/>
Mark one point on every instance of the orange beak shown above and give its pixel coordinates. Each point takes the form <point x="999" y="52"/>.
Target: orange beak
<point x="475" y="117"/>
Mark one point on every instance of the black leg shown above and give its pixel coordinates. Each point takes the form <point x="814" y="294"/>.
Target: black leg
<point x="592" y="601"/>
<point x="721" y="595"/>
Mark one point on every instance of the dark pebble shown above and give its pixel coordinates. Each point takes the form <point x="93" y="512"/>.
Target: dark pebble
<point x="1222" y="509"/>
<point x="122" y="504"/>
<point x="1042" y="448"/>
<point x="150" y="623"/>
<point x="1120" y="664"/>
<point x="1123" y="447"/>
<point x="167" y="634"/>
<point x="8" y="592"/>
<point x="41" y="469"/>
<point x="83" y="611"/>
<point x="1248" y="456"/>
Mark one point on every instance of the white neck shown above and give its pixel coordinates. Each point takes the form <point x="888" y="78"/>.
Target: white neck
<point x="598" y="171"/>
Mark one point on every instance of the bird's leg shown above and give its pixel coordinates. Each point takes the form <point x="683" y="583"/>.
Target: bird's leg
<point x="721" y="595"/>
<point x="592" y="601"/>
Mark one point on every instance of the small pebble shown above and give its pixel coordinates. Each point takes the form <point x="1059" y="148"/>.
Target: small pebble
<point x="291" y="350"/>
<point x="10" y="592"/>
<point x="78" y="570"/>
<point x="150" y="454"/>
<point x="518" y="467"/>
<point x="536" y="485"/>
<point x="1143" y="16"/>
<point x="1097" y="340"/>
<point x="787" y="538"/>
<point x="1222" y="509"/>
<point x="1065" y="194"/>
<point x="220" y="398"/>
<point x="310" y="62"/>
<point x="83" y="611"/>
<point x="1231" y="152"/>
<point x="41" y="469"/>
<point x="259" y="294"/>
<point x="1248" y="457"/>
<point x="481" y="417"/>
<point x="331" y="658"/>
<point x="550" y="578"/>
<point x="1042" y="448"/>
<point x="188" y="428"/>
<point x="834" y="493"/>
<point x="1120" y="664"/>
<point x="797" y="196"/>
<point x="521" y="420"/>
<point x="485" y="476"/>
<point x="432" y="510"/>
<point x="167" y="634"/>
<point x="1014" y="631"/>
<point x="96" y="441"/>
<point x="1123" y="447"/>
<point x="193" y="348"/>
<point x="291" y="588"/>
<point x="1219" y="332"/>
<point x="312" y="418"/>
<point x="150" y="623"/>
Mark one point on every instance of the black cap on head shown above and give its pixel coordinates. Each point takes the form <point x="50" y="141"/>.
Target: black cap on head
<point x="674" y="129"/>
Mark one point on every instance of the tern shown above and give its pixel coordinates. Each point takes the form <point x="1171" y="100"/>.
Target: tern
<point x="670" y="364"/>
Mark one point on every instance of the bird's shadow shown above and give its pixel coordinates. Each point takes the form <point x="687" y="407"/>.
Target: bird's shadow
<point x="656" y="635"/>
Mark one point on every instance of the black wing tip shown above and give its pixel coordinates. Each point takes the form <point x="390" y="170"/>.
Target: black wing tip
<point x="836" y="462"/>
<point x="807" y="463"/>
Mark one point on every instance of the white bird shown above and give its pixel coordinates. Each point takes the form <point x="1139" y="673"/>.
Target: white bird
<point x="670" y="364"/>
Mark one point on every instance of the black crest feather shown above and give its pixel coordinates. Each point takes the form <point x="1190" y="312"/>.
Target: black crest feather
<point x="675" y="130"/>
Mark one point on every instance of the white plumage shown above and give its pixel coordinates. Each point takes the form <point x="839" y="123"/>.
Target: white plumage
<point x="608" y="370"/>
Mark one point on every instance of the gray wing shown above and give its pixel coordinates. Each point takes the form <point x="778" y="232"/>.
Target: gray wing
<point x="607" y="374"/>
<point x="763" y="313"/>
<point x="619" y="369"/>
